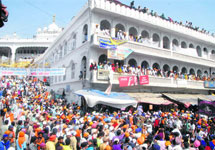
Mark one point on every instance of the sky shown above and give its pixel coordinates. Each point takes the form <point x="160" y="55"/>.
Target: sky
<point x="26" y="16"/>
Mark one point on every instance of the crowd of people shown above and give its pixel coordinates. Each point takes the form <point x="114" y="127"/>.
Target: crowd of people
<point x="138" y="71"/>
<point x="146" y="10"/>
<point x="34" y="119"/>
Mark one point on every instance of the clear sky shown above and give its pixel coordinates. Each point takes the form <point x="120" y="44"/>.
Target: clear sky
<point x="28" y="15"/>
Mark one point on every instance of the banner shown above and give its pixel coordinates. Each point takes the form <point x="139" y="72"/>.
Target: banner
<point x="209" y="84"/>
<point x="127" y="81"/>
<point x="116" y="41"/>
<point x="119" y="53"/>
<point x="47" y="72"/>
<point x="32" y="71"/>
<point x="106" y="44"/>
<point x="144" y="80"/>
<point x="206" y="107"/>
<point x="13" y="72"/>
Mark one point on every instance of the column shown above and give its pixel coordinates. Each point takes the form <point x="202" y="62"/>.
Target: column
<point x="13" y="56"/>
<point x="161" y="41"/>
<point x="113" y="32"/>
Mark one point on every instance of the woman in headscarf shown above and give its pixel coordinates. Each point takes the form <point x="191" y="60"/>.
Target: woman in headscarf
<point x="21" y="142"/>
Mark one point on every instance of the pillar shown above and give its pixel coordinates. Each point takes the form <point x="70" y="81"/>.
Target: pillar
<point x="13" y="56"/>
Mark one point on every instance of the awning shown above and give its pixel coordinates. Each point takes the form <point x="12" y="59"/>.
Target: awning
<point x="188" y="98"/>
<point x="116" y="100"/>
<point x="150" y="98"/>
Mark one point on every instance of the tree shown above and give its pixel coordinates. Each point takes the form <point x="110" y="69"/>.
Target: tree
<point x="3" y="14"/>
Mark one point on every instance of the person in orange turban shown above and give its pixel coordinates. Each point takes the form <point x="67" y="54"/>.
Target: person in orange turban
<point x="20" y="142"/>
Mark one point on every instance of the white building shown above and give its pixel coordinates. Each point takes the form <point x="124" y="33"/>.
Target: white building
<point x="164" y="45"/>
<point x="14" y="48"/>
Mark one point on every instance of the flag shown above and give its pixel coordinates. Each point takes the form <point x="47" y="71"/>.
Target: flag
<point x="206" y="107"/>
<point x="115" y="41"/>
<point x="106" y="44"/>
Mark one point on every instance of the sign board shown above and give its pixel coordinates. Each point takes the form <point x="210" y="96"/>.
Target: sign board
<point x="144" y="80"/>
<point x="209" y="84"/>
<point x="103" y="74"/>
<point x="126" y="81"/>
<point x="32" y="71"/>
<point x="13" y="72"/>
<point x="119" y="53"/>
<point x="47" y="72"/>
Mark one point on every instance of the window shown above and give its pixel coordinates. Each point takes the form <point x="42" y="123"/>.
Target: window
<point x="74" y="42"/>
<point x="60" y="52"/>
<point x="65" y="48"/>
<point x="85" y="33"/>
<point x="72" y="70"/>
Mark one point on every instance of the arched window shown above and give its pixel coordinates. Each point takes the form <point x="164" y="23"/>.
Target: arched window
<point x="166" y="43"/>
<point x="184" y="70"/>
<point x="156" y="66"/>
<point x="199" y="73"/>
<point x="74" y="42"/>
<point x="85" y="33"/>
<point x="191" y="45"/>
<point x="199" y="51"/>
<point x="175" y="69"/>
<point x="72" y="64"/>
<point x="192" y="72"/>
<point x="133" y="34"/>
<point x="84" y="66"/>
<point x="65" y="48"/>
<point x="206" y="73"/>
<point x="205" y="50"/>
<point x="175" y="42"/>
<point x="119" y="29"/>
<point x="60" y="52"/>
<point x="183" y="44"/>
<point x="132" y="63"/>
<point x="105" y="25"/>
<point x="166" y="68"/>
<point x="156" y="37"/>
<point x="102" y="58"/>
<point x="212" y="56"/>
<point x="145" y="65"/>
<point x="145" y="34"/>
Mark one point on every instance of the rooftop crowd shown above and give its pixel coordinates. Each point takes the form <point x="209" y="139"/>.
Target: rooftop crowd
<point x="138" y="71"/>
<point x="146" y="10"/>
<point x="34" y="119"/>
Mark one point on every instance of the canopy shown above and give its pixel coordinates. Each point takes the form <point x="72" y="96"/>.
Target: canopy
<point x="150" y="98"/>
<point x="188" y="98"/>
<point x="116" y="100"/>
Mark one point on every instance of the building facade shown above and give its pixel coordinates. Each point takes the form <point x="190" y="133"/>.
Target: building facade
<point x="156" y="43"/>
<point x="16" y="49"/>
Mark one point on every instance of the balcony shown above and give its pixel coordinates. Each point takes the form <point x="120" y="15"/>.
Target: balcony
<point x="103" y="76"/>
<point x="150" y="48"/>
<point x="106" y="6"/>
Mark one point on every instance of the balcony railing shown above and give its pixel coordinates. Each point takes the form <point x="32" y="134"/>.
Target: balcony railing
<point x="103" y="77"/>
<point x="150" y="49"/>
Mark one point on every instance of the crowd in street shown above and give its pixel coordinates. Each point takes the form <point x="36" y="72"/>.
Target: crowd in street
<point x="138" y="71"/>
<point x="34" y="119"/>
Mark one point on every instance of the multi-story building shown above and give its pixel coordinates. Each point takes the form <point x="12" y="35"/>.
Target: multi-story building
<point x="164" y="45"/>
<point x="15" y="49"/>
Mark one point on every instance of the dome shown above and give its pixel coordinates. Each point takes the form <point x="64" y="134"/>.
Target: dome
<point x="53" y="27"/>
<point x="45" y="29"/>
<point x="39" y="30"/>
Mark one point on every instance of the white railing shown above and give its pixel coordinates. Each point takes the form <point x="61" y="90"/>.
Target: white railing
<point x="153" y="81"/>
<point x="155" y="21"/>
<point x="153" y="50"/>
